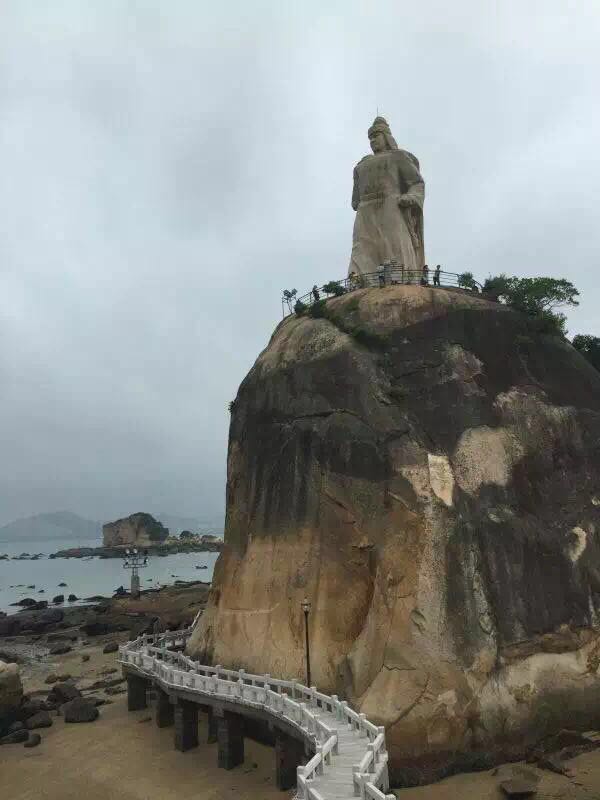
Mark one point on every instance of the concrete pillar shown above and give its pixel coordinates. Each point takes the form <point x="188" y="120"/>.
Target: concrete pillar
<point x="164" y="711"/>
<point x="136" y="692"/>
<point x="289" y="754"/>
<point x="230" y="737"/>
<point x="212" y="726"/>
<point x="186" y="725"/>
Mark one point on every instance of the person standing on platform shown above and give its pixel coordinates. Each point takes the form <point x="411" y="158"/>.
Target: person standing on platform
<point x="436" y="275"/>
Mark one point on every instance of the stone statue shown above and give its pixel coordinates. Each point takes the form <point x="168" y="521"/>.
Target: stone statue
<point x="388" y="199"/>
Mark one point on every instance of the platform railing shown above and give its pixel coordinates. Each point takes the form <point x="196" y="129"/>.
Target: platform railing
<point x="387" y="275"/>
<point x="297" y="704"/>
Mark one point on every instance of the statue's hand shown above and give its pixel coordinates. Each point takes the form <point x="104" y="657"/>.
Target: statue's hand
<point x="406" y="201"/>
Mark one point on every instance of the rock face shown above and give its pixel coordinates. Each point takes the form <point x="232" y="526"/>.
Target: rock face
<point x="138" y="530"/>
<point x="11" y="690"/>
<point x="427" y="472"/>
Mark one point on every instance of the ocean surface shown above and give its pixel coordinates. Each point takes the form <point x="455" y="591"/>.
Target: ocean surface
<point x="87" y="577"/>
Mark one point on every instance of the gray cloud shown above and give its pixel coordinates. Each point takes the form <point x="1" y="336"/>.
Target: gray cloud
<point x="168" y="168"/>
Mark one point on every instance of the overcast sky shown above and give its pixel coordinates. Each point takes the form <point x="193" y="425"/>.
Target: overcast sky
<point x="167" y="168"/>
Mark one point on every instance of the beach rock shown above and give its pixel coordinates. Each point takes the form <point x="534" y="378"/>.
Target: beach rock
<point x="72" y="598"/>
<point x="423" y="466"/>
<point x="110" y="647"/>
<point x="60" y="649"/>
<point x="60" y="598"/>
<point x="26" y="602"/>
<point x="17" y="725"/>
<point x="33" y="740"/>
<point x="40" y="720"/>
<point x="79" y="710"/>
<point x="51" y="678"/>
<point x="15" y="738"/>
<point x="11" y="691"/>
<point x="62" y="584"/>
<point x="85" y="657"/>
<point x="63" y="692"/>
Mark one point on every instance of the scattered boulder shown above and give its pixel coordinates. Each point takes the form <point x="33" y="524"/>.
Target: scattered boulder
<point x="26" y="602"/>
<point x="33" y="741"/>
<point x="63" y="692"/>
<point x="40" y="720"/>
<point x="110" y="647"/>
<point x="516" y="780"/>
<point x="60" y="598"/>
<point x="17" y="725"/>
<point x="72" y="598"/>
<point x="79" y="710"/>
<point x="52" y="678"/>
<point x="66" y="677"/>
<point x="115" y="690"/>
<point x="15" y="738"/>
<point x="11" y="690"/>
<point x="85" y="657"/>
<point x="60" y="649"/>
<point x="62" y="584"/>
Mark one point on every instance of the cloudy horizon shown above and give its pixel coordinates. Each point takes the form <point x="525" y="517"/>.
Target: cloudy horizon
<point x="169" y="168"/>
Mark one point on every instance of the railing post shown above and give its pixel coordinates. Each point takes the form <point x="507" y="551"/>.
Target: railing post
<point x="356" y="779"/>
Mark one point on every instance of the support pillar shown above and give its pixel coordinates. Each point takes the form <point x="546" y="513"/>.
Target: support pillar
<point x="136" y="692"/>
<point x="212" y="726"/>
<point x="164" y="711"/>
<point x="289" y="754"/>
<point x="230" y="737"/>
<point x="186" y="725"/>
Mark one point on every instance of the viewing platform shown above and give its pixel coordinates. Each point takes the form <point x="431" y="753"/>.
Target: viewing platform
<point x="387" y="275"/>
<point x="323" y="747"/>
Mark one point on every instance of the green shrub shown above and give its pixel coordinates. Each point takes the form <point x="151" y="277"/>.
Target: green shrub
<point x="589" y="347"/>
<point x="299" y="308"/>
<point x="334" y="288"/>
<point x="467" y="281"/>
<point x="317" y="310"/>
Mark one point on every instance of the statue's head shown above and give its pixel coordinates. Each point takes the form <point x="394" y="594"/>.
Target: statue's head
<point x="381" y="137"/>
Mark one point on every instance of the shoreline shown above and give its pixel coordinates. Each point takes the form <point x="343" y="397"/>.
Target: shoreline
<point x="118" y="551"/>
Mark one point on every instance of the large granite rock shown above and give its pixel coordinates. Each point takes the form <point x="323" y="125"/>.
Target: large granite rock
<point x="11" y="692"/>
<point x="426" y="471"/>
<point x="137" y="530"/>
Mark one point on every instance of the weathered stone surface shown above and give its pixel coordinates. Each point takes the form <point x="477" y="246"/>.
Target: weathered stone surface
<point x="15" y="738"/>
<point x="11" y="690"/>
<point x="431" y="481"/>
<point x="62" y="692"/>
<point x="33" y="740"/>
<point x="79" y="710"/>
<point x="40" y="720"/>
<point x="110" y="647"/>
<point x="137" y="530"/>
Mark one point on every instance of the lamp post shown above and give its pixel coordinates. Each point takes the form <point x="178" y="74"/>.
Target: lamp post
<point x="135" y="561"/>
<point x="306" y="609"/>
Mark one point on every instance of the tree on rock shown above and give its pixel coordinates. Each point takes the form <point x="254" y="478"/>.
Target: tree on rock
<point x="539" y="298"/>
<point x="588" y="346"/>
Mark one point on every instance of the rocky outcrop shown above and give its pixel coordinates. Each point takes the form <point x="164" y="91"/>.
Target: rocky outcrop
<point x="11" y="691"/>
<point x="425" y="469"/>
<point x="137" y="530"/>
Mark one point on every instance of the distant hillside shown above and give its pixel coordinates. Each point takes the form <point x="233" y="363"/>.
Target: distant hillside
<point x="52" y="525"/>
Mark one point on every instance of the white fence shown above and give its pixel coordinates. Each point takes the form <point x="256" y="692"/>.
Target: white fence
<point x="299" y="705"/>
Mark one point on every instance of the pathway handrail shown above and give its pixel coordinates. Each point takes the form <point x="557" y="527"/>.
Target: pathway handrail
<point x="297" y="704"/>
<point x="386" y="275"/>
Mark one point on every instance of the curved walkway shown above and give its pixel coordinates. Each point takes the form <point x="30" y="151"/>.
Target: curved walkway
<point x="350" y="757"/>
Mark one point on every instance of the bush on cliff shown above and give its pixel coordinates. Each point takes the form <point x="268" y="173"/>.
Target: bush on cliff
<point x="537" y="297"/>
<point x="589" y="347"/>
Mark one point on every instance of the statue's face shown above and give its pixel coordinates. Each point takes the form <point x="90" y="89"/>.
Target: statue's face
<point x="378" y="143"/>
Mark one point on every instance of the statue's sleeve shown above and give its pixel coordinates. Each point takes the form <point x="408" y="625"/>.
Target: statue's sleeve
<point x="411" y="180"/>
<point x="355" y="192"/>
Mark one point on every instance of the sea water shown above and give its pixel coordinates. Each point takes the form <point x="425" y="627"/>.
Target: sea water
<point x="87" y="576"/>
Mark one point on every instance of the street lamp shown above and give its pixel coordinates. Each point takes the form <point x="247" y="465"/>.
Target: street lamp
<point x="135" y="561"/>
<point x="306" y="608"/>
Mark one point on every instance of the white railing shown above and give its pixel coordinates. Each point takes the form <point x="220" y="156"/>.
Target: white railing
<point x="299" y="705"/>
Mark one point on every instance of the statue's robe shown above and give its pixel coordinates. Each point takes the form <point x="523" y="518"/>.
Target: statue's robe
<point x="384" y="231"/>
